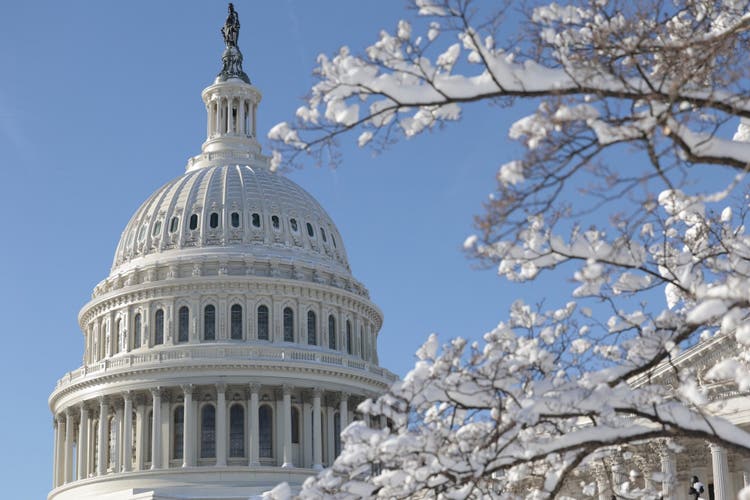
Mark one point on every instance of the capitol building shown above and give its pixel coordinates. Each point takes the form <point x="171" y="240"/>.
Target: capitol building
<point x="230" y="343"/>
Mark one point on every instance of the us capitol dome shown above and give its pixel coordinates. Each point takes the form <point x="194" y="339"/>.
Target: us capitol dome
<point x="230" y="343"/>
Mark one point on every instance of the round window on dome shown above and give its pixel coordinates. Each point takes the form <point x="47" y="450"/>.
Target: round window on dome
<point x="293" y="224"/>
<point x="275" y="221"/>
<point x="310" y="230"/>
<point x="256" y="220"/>
<point x="193" y="222"/>
<point x="157" y="229"/>
<point x="213" y="221"/>
<point x="235" y="219"/>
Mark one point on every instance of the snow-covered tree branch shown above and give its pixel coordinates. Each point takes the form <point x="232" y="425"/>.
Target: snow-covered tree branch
<point x="632" y="184"/>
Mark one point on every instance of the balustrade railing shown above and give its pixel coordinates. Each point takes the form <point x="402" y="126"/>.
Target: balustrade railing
<point x="203" y="352"/>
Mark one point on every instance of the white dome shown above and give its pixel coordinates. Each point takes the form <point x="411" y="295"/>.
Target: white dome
<point x="231" y="209"/>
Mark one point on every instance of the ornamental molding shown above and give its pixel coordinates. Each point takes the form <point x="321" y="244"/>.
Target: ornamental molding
<point x="229" y="285"/>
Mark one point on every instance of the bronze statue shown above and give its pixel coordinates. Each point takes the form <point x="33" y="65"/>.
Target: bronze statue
<point x="231" y="29"/>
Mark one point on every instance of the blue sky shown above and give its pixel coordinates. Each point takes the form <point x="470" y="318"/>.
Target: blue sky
<point x="100" y="105"/>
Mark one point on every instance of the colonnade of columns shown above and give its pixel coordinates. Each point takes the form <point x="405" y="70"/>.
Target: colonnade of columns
<point x="198" y="425"/>
<point x="724" y="481"/>
<point x="233" y="115"/>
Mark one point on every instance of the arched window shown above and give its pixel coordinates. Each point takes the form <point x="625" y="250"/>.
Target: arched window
<point x="263" y="322"/>
<point x="310" y="230"/>
<point x="362" y="342"/>
<point x="183" y="324"/>
<point x="293" y="224"/>
<point x="118" y="335"/>
<point x="193" y="222"/>
<point x="295" y="425"/>
<point x="235" y="322"/>
<point x="348" y="337"/>
<point x="331" y="332"/>
<point x="213" y="220"/>
<point x="209" y="322"/>
<point x="178" y="421"/>
<point x="159" y="327"/>
<point x="173" y="224"/>
<point x="288" y="324"/>
<point x="323" y="234"/>
<point x="312" y="336"/>
<point x="208" y="431"/>
<point x="275" y="221"/>
<point x="337" y="434"/>
<point x="137" y="331"/>
<point x="157" y="229"/>
<point x="235" y="219"/>
<point x="333" y="240"/>
<point x="236" y="431"/>
<point x="265" y="431"/>
<point x="256" y="220"/>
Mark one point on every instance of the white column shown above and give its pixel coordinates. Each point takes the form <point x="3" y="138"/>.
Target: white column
<point x="229" y="115"/>
<point x="252" y="426"/>
<point x="83" y="442"/>
<point x="140" y="415"/>
<point x="156" y="428"/>
<point x="59" y="450"/>
<point x="745" y="473"/>
<point x="68" y="445"/>
<point x="330" y="448"/>
<point x="287" y="427"/>
<point x="241" y="130"/>
<point x="221" y="425"/>
<point x="209" y="107"/>
<point x="316" y="431"/>
<point x="127" y="433"/>
<point x="344" y="410"/>
<point x="306" y="434"/>
<point x="669" y="469"/>
<point x="720" y="471"/>
<point x="188" y="439"/>
<point x="117" y="424"/>
<point x="101" y="459"/>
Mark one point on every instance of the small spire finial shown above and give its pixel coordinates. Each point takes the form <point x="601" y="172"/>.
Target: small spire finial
<point x="232" y="58"/>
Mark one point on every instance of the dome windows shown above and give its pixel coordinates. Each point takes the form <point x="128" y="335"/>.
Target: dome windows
<point x="235" y="322"/>
<point x="263" y="333"/>
<point x="293" y="224"/>
<point x="183" y="324"/>
<point x="159" y="327"/>
<point x="173" y="224"/>
<point x="194" y="222"/>
<point x="209" y="322"/>
<point x="311" y="327"/>
<point x="157" y="229"/>
<point x="142" y="233"/>
<point x="323" y="234"/>
<point x="213" y="220"/>
<point x="275" y="222"/>
<point x="331" y="332"/>
<point x="288" y="324"/>
<point x="235" y="219"/>
<point x="310" y="230"/>
<point x="256" y="220"/>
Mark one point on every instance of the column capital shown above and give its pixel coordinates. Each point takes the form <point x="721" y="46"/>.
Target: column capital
<point x="188" y="389"/>
<point x="286" y="390"/>
<point x="317" y="392"/>
<point x="155" y="392"/>
<point x="127" y="395"/>
<point x="344" y="396"/>
<point x="715" y="448"/>
<point x="103" y="400"/>
<point x="221" y="387"/>
<point x="253" y="388"/>
<point x="83" y="407"/>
